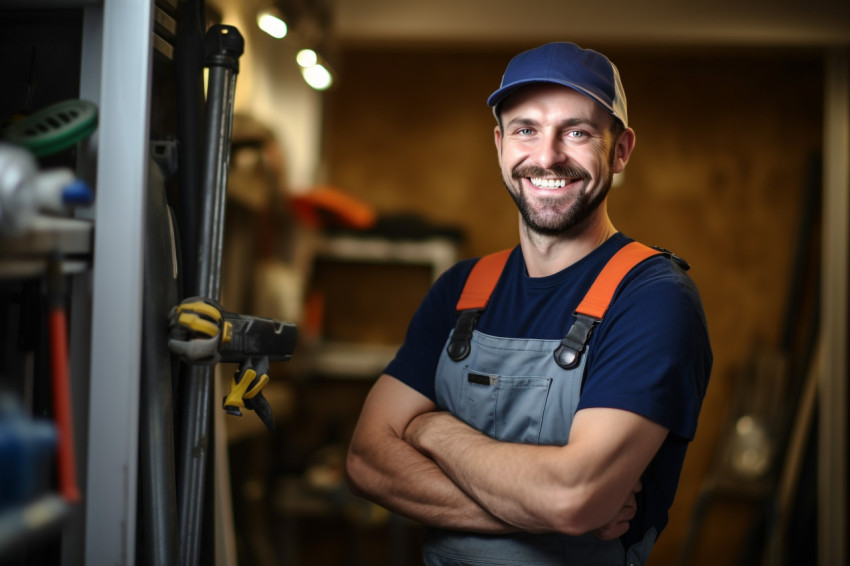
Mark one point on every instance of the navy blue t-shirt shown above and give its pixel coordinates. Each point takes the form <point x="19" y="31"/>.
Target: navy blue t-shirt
<point x="650" y="354"/>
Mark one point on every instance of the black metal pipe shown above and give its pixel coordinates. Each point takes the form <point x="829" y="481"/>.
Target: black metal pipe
<point x="224" y="46"/>
<point x="157" y="484"/>
<point x="189" y="83"/>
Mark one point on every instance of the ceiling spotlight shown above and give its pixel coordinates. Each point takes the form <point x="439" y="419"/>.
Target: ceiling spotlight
<point x="271" y="21"/>
<point x="314" y="69"/>
<point x="307" y="58"/>
<point x="317" y="77"/>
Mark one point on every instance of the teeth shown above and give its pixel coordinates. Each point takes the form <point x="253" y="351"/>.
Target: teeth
<point x="548" y="183"/>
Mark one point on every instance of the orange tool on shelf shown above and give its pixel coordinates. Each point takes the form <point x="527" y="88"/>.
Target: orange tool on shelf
<point x="58" y="326"/>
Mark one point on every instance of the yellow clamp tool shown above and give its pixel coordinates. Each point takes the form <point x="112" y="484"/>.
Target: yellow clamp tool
<point x="246" y="388"/>
<point x="201" y="332"/>
<point x="199" y="316"/>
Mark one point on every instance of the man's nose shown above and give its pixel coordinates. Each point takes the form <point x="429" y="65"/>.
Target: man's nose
<point x="551" y="151"/>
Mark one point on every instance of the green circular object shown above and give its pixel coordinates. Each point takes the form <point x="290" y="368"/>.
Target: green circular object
<point x="54" y="128"/>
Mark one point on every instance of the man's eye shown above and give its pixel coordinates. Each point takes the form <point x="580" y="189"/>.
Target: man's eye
<point x="576" y="134"/>
<point x="525" y="131"/>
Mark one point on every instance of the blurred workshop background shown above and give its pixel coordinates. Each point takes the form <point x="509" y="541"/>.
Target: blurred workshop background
<point x="355" y="162"/>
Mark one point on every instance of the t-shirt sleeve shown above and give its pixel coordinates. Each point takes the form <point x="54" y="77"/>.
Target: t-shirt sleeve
<point x="651" y="354"/>
<point x="415" y="363"/>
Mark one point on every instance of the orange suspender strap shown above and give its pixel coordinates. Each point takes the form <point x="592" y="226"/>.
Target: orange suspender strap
<point x="473" y="299"/>
<point x="486" y="272"/>
<point x="482" y="280"/>
<point x="597" y="299"/>
<point x="592" y="308"/>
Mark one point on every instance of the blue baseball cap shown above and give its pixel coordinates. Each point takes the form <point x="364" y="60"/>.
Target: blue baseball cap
<point x="567" y="64"/>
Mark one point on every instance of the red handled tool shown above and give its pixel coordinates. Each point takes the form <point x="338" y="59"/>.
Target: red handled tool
<point x="58" y="326"/>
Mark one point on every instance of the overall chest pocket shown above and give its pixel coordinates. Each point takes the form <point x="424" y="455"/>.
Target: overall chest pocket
<point x="504" y="407"/>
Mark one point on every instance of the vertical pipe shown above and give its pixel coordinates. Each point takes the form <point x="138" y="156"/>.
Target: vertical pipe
<point x="220" y="94"/>
<point x="224" y="46"/>
<point x="157" y="485"/>
<point x="189" y="81"/>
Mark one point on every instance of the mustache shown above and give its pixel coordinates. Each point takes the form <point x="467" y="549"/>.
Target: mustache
<point x="564" y="172"/>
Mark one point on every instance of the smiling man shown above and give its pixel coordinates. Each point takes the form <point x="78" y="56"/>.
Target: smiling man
<point x="543" y="400"/>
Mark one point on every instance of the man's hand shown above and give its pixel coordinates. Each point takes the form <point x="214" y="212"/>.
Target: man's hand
<point x="414" y="430"/>
<point x="619" y="525"/>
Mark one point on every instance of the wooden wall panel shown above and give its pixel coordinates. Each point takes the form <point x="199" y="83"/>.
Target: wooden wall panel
<point x="723" y="140"/>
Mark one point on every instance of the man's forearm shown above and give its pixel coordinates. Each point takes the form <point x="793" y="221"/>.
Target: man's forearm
<point x="398" y="477"/>
<point x="573" y="489"/>
<point x="486" y="470"/>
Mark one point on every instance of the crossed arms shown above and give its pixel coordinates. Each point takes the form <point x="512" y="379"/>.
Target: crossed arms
<point x="433" y="468"/>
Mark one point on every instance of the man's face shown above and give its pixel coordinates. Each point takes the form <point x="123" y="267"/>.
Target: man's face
<point x="558" y="157"/>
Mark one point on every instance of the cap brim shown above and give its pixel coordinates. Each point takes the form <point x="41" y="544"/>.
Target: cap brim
<point x="506" y="91"/>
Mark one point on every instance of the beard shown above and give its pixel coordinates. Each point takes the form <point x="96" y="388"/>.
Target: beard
<point x="554" y="216"/>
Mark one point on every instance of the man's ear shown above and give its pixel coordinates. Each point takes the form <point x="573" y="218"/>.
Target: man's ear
<point x="497" y="137"/>
<point x="623" y="149"/>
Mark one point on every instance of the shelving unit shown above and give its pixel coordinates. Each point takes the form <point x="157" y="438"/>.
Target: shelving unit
<point x="354" y="360"/>
<point x="32" y="521"/>
<point x="437" y="252"/>
<point x="25" y="255"/>
<point x="345" y="359"/>
<point x="106" y="266"/>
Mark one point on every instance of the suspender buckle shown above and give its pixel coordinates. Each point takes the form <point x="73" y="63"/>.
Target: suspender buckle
<point x="568" y="353"/>
<point x="459" y="345"/>
<point x="683" y="265"/>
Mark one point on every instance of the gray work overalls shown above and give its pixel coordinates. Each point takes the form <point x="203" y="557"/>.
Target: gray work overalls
<point x="516" y="390"/>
